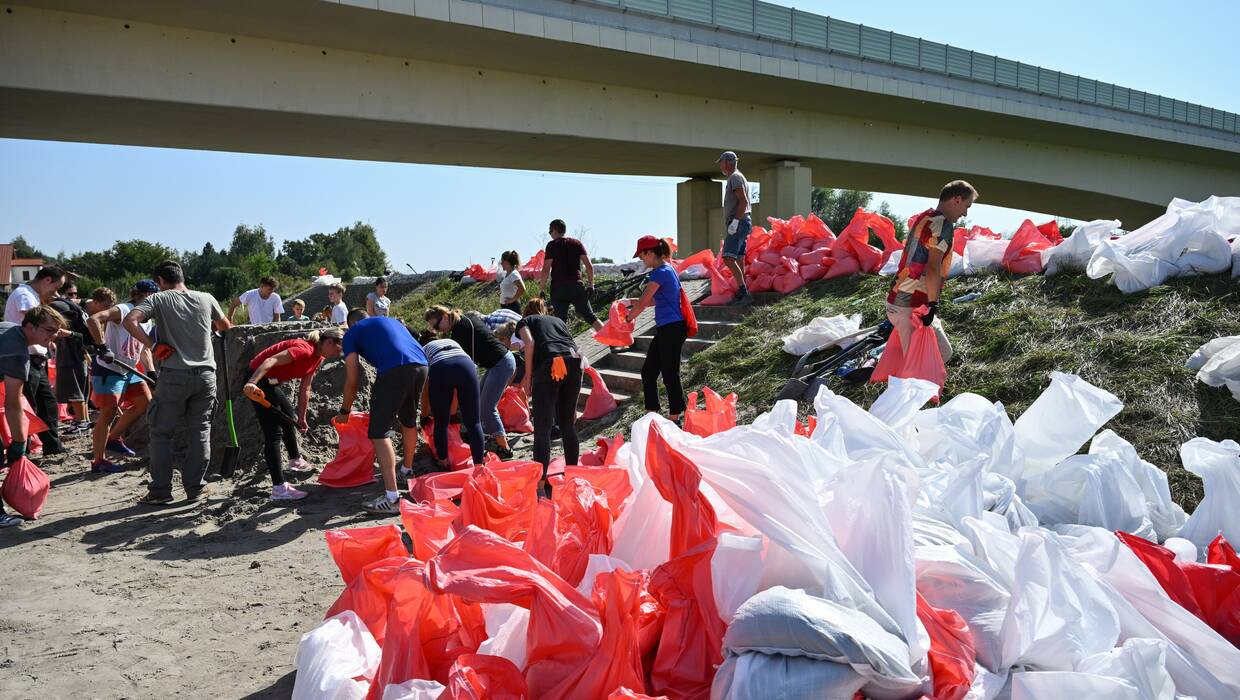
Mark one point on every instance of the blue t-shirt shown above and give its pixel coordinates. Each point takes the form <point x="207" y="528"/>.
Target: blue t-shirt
<point x="667" y="298"/>
<point x="383" y="342"/>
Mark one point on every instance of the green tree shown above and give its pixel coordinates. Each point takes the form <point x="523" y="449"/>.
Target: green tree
<point x="837" y="207"/>
<point x="22" y="249"/>
<point x="900" y="223"/>
<point x="248" y="241"/>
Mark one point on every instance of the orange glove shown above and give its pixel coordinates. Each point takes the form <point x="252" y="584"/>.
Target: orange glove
<point x="163" y="351"/>
<point x="558" y="370"/>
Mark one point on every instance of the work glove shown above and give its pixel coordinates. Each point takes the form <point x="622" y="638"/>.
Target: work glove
<point x="932" y="309"/>
<point x="16" y="450"/>
<point x="734" y="225"/>
<point x="103" y="353"/>
<point x="163" y="351"/>
<point x="153" y="374"/>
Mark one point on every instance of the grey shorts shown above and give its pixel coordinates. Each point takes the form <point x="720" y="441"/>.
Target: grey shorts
<point x="71" y="382"/>
<point x="396" y="393"/>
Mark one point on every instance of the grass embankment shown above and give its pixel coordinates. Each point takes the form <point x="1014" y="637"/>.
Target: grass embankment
<point x="1007" y="342"/>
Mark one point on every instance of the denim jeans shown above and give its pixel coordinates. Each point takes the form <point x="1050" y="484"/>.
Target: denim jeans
<point x="494" y="382"/>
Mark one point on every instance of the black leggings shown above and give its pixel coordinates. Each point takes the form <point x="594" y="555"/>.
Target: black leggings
<point x="455" y="375"/>
<point x="275" y="428"/>
<point x="566" y="294"/>
<point x="663" y="357"/>
<point x="555" y="403"/>
<point x="38" y="391"/>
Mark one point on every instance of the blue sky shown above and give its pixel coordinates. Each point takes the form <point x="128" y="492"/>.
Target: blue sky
<point x="65" y="196"/>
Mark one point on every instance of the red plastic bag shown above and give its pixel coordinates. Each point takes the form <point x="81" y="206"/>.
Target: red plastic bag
<point x="809" y="273"/>
<point x="1023" y="255"/>
<point x="686" y="310"/>
<point x="353" y="548"/>
<point x="605" y="454"/>
<point x="690" y="645"/>
<point x="952" y="656"/>
<point x="722" y="287"/>
<point x="705" y="258"/>
<point x="626" y="694"/>
<point x="891" y="362"/>
<point x="854" y="241"/>
<point x="923" y="359"/>
<point x="718" y="414"/>
<point x="583" y="527"/>
<point x="459" y="454"/>
<point x="480" y="273"/>
<point x="1050" y="230"/>
<point x="816" y="230"/>
<point x="612" y="483"/>
<point x="617" y="332"/>
<point x="30" y="420"/>
<point x="369" y="593"/>
<point x="429" y="525"/>
<point x="618" y="597"/>
<point x="601" y="402"/>
<point x="484" y="677"/>
<point x="783" y="232"/>
<point x="842" y="267"/>
<point x="533" y="267"/>
<point x="762" y="283"/>
<point x="788" y="279"/>
<point x="25" y="488"/>
<point x="756" y="244"/>
<point x="806" y="429"/>
<point x="501" y="504"/>
<point x="354" y="464"/>
<point x="514" y="411"/>
<point x="1209" y="591"/>
<point x="1221" y="552"/>
<point x="564" y="629"/>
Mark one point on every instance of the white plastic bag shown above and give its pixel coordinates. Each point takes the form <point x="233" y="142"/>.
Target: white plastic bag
<point x="892" y="266"/>
<point x="1235" y="257"/>
<point x="1218" y="465"/>
<point x="1218" y="363"/>
<point x="1064" y="417"/>
<point x="1166" y="516"/>
<point x="794" y="623"/>
<point x="736" y="572"/>
<point x="981" y="254"/>
<point x="1048" y="685"/>
<point x="413" y="690"/>
<point x="901" y="400"/>
<point x="1141" y="662"/>
<point x="967" y="426"/>
<point x="507" y="628"/>
<point x="755" y="676"/>
<point x="336" y="660"/>
<point x="820" y="332"/>
<point x="1076" y="250"/>
<point x="950" y="579"/>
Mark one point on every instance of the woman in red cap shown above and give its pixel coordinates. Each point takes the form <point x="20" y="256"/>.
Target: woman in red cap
<point x="663" y="357"/>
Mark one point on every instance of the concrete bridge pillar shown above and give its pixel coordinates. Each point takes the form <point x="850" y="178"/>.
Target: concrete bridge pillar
<point x="699" y="215"/>
<point x="786" y="191"/>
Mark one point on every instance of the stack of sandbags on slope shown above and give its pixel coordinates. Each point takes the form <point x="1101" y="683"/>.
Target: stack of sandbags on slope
<point x="1189" y="239"/>
<point x="791" y="244"/>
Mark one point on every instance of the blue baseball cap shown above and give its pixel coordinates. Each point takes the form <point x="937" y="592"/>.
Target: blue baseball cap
<point x="145" y="286"/>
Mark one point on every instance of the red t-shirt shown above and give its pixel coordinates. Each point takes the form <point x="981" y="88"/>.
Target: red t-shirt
<point x="564" y="254"/>
<point x="304" y="363"/>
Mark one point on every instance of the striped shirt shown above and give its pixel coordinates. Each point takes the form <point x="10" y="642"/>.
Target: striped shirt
<point x="437" y="350"/>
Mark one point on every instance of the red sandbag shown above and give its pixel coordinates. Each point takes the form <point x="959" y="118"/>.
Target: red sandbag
<point x="459" y="454"/>
<point x="854" y="241"/>
<point x="354" y="464"/>
<point x="534" y="265"/>
<point x="705" y="258"/>
<point x="25" y="488"/>
<point x="583" y="528"/>
<point x="617" y="595"/>
<point x="960" y="237"/>
<point x="891" y="361"/>
<point x="564" y="629"/>
<point x="369" y="593"/>
<point x="815" y="229"/>
<point x="617" y="332"/>
<point x="30" y="420"/>
<point x="722" y="287"/>
<point x="484" y="677"/>
<point x="354" y="548"/>
<point x="626" y="694"/>
<point x="788" y="282"/>
<point x="601" y="402"/>
<point x="805" y="244"/>
<point x="842" y="267"/>
<point x="809" y="273"/>
<point x="762" y="283"/>
<point x="952" y="656"/>
<point x="1221" y="552"/>
<point x="1023" y="255"/>
<point x="923" y="359"/>
<point x="790" y="251"/>
<point x="756" y="244"/>
<point x="1209" y="591"/>
<point x="760" y="267"/>
<point x="605" y="454"/>
<point x="429" y="525"/>
<point x="717" y="415"/>
<point x="480" y="273"/>
<point x="771" y="257"/>
<point x="1050" y="230"/>
<point x="783" y="232"/>
<point x="613" y="483"/>
<point x="485" y="505"/>
<point x="814" y="257"/>
<point x="690" y="646"/>
<point x="514" y="411"/>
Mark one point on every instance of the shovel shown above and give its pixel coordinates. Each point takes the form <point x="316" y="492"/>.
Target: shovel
<point x="261" y="399"/>
<point x="232" y="451"/>
<point x="806" y="386"/>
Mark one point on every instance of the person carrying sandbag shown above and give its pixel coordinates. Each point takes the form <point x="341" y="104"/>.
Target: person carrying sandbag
<point x="925" y="263"/>
<point x="295" y="358"/>
<point x="552" y="381"/>
<point x="40" y="326"/>
<point x="663" y="356"/>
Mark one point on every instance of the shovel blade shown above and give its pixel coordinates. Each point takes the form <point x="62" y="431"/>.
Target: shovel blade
<point x="794" y="389"/>
<point x="232" y="455"/>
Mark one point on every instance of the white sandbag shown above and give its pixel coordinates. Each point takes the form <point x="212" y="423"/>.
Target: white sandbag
<point x="1219" y="364"/>
<point x="325" y="280"/>
<point x="999" y="497"/>
<point x="736" y="571"/>
<point x="1058" y="614"/>
<point x="507" y="627"/>
<point x="1199" y="660"/>
<point x="952" y="493"/>
<point x="987" y="685"/>
<point x="892" y="266"/>
<point x="1076" y="250"/>
<point x="595" y="565"/>
<point x="794" y="623"/>
<point x="1060" y="420"/>
<point x="1184" y="550"/>
<point x="844" y="428"/>
<point x="1235" y="257"/>
<point x="1055" y="685"/>
<point x="982" y="254"/>
<point x="1166" y="516"/>
<point x="754" y="676"/>
<point x="967" y="426"/>
<point x="696" y="271"/>
<point x="901" y="400"/>
<point x="1094" y="489"/>
<point x="954" y="580"/>
<point x="821" y="332"/>
<point x="1218" y="465"/>
<point x="1141" y="662"/>
<point x="336" y="660"/>
<point x="413" y="690"/>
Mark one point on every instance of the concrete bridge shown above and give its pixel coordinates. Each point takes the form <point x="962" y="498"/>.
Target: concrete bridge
<point x="633" y="87"/>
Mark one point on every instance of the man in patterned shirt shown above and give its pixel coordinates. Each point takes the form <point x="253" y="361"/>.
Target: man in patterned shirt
<point x="926" y="262"/>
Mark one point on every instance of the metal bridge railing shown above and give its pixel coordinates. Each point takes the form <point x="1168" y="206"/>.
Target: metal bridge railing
<point x="837" y="36"/>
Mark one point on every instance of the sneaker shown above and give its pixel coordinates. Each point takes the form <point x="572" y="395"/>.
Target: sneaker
<point x="381" y="506"/>
<point x="745" y="299"/>
<point x="103" y="466"/>
<point x="193" y="495"/>
<point x="155" y="499"/>
<point x="9" y="520"/>
<point x="406" y="472"/>
<point x="298" y="465"/>
<point x="284" y="492"/>
<point x="119" y="447"/>
<point x="503" y="454"/>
